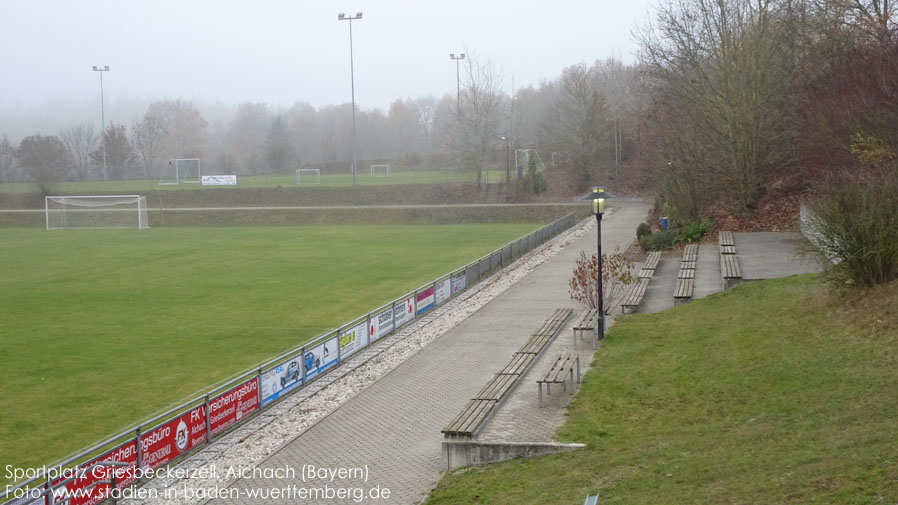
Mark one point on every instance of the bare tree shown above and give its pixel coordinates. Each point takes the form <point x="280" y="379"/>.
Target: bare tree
<point x="7" y="159"/>
<point x="184" y="128"/>
<point x="726" y="61"/>
<point x="119" y="153"/>
<point x="279" y="150"/>
<point x="480" y="118"/>
<point x="579" y="124"/>
<point x="80" y="140"/>
<point x="146" y="137"/>
<point x="44" y="159"/>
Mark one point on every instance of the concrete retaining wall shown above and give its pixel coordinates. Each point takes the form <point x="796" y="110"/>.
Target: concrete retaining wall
<point x="457" y="454"/>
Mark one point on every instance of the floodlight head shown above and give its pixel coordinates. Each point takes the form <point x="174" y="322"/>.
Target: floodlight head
<point x="461" y="56"/>
<point x="340" y="16"/>
<point x="503" y="137"/>
<point x="98" y="69"/>
<point x="452" y="55"/>
<point x="598" y="196"/>
<point x="358" y="15"/>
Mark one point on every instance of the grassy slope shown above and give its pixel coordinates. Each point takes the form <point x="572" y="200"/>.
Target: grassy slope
<point x="99" y="328"/>
<point x="767" y="393"/>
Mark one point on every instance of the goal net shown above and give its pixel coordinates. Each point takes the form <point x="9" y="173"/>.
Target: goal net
<point x="382" y="170"/>
<point x="112" y="211"/>
<point x="311" y="176"/>
<point x="181" y="171"/>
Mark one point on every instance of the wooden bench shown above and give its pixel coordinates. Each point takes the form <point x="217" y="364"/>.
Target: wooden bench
<point x="471" y="418"/>
<point x="561" y="372"/>
<point x="690" y="253"/>
<point x="519" y="363"/>
<point x="729" y="266"/>
<point x="546" y="332"/>
<point x="684" y="289"/>
<point x="497" y="387"/>
<point x="475" y="414"/>
<point x="686" y="276"/>
<point x="651" y="262"/>
<point x="635" y="295"/>
<point x="726" y="238"/>
<point x="589" y="320"/>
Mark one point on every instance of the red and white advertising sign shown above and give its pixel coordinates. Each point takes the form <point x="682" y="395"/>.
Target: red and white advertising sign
<point x="168" y="441"/>
<point x="234" y="405"/>
<point x="80" y="492"/>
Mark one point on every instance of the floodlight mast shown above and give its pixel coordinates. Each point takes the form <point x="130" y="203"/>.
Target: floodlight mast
<point x="343" y="17"/>
<point x="105" y="68"/>
<point x="457" y="81"/>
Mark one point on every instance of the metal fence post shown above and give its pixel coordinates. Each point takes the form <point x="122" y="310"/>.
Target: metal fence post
<point x="208" y="421"/>
<point x="302" y="364"/>
<point x="139" y="452"/>
<point x="339" y="345"/>
<point x="259" y="388"/>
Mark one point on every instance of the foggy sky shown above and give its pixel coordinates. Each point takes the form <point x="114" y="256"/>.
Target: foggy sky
<point x="284" y="51"/>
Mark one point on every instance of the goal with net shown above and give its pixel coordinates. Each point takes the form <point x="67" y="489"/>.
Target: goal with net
<point x="108" y="211"/>
<point x="311" y="176"/>
<point x="181" y="171"/>
<point x="382" y="170"/>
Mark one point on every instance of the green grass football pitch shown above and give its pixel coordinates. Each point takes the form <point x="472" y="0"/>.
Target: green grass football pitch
<point x="102" y="328"/>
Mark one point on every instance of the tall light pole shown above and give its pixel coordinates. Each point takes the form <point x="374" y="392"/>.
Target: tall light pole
<point x="344" y="17"/>
<point x="507" y="173"/>
<point x="457" y="81"/>
<point x="105" y="68"/>
<point x="598" y="196"/>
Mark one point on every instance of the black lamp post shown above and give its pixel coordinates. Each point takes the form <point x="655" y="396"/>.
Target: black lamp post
<point x="598" y="196"/>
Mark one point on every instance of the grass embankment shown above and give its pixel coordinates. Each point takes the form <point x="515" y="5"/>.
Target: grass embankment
<point x="269" y="181"/>
<point x="767" y="393"/>
<point x="100" y="328"/>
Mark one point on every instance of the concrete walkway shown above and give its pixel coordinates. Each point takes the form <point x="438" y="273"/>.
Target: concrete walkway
<point x="388" y="436"/>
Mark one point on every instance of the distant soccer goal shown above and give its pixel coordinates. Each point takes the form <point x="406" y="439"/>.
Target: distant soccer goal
<point x="380" y="170"/>
<point x="107" y="211"/>
<point x="181" y="171"/>
<point x="311" y="176"/>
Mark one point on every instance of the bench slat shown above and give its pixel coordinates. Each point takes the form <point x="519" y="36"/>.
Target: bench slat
<point x="470" y="417"/>
<point x="727" y="249"/>
<point x="519" y="362"/>
<point x="684" y="288"/>
<point x="496" y="388"/>
<point x="636" y="294"/>
<point x="726" y="238"/>
<point x="686" y="273"/>
<point x="651" y="262"/>
<point x="731" y="267"/>
<point x="645" y="273"/>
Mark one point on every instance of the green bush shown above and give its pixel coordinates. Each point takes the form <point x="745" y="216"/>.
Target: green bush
<point x="659" y="241"/>
<point x="855" y="221"/>
<point x="694" y="231"/>
<point x="642" y="231"/>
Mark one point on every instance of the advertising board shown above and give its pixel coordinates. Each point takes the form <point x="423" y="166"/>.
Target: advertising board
<point x="381" y="324"/>
<point x="404" y="311"/>
<point x="424" y="300"/>
<point x="353" y="339"/>
<point x="233" y="405"/>
<point x="443" y="291"/>
<point x="280" y="379"/>
<point x="320" y="358"/>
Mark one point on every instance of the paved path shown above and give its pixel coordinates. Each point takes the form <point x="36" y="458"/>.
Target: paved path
<point x="392" y="429"/>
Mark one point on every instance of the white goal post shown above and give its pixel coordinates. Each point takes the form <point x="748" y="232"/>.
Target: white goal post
<point x="316" y="172"/>
<point x="383" y="169"/>
<point x="104" y="211"/>
<point x="181" y="171"/>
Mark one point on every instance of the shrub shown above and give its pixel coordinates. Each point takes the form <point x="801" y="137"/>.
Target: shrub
<point x="616" y="277"/>
<point x="855" y="221"/>
<point x="659" y="241"/>
<point x="642" y="231"/>
<point x="694" y="231"/>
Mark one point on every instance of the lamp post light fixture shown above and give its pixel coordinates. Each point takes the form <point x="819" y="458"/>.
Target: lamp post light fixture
<point x="507" y="173"/>
<point x="457" y="81"/>
<point x="598" y="196"/>
<point x="350" y="18"/>
<point x="102" y="69"/>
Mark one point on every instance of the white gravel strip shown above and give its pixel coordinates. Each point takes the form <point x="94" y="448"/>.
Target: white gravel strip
<point x="258" y="439"/>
